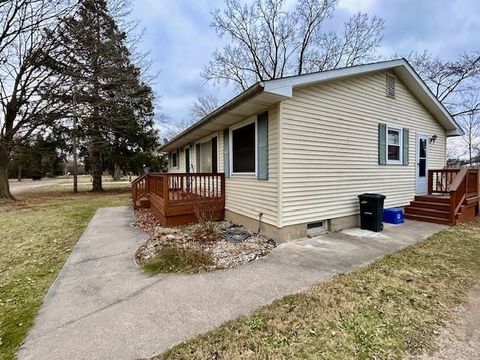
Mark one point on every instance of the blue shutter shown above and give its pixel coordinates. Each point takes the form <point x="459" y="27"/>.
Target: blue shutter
<point x="382" y="144"/>
<point x="226" y="152"/>
<point x="262" y="146"/>
<point x="406" y="133"/>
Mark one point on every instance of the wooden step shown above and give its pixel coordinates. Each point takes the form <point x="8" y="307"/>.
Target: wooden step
<point x="472" y="200"/>
<point x="432" y="199"/>
<point x="422" y="211"/>
<point x="430" y="205"/>
<point x="427" y="219"/>
<point x="467" y="213"/>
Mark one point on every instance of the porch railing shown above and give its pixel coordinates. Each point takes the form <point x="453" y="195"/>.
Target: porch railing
<point x="178" y="188"/>
<point x="439" y="181"/>
<point x="458" y="184"/>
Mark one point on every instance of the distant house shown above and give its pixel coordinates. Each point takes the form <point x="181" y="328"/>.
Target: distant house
<point x="296" y="152"/>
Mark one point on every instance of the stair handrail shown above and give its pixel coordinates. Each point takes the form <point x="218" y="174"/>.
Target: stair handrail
<point x="138" y="179"/>
<point x="135" y="188"/>
<point x="458" y="193"/>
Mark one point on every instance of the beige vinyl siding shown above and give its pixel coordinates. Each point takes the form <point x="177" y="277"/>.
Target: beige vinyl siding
<point x="181" y="163"/>
<point x="330" y="147"/>
<point x="248" y="196"/>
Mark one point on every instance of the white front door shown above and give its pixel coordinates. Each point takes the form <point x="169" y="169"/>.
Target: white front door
<point x="422" y="164"/>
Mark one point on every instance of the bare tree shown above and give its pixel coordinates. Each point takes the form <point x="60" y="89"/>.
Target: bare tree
<point x="267" y="41"/>
<point x="470" y="123"/>
<point x="457" y="85"/>
<point x="203" y="106"/>
<point x="24" y="78"/>
<point x="451" y="81"/>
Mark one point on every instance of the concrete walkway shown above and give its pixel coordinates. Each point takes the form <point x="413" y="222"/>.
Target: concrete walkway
<point x="102" y="307"/>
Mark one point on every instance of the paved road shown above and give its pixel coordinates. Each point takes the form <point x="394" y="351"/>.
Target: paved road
<point x="17" y="187"/>
<point x="102" y="307"/>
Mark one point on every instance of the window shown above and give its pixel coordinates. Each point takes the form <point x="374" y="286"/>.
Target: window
<point x="422" y="158"/>
<point x="394" y="146"/>
<point x="243" y="149"/>
<point x="208" y="158"/>
<point x="174" y="156"/>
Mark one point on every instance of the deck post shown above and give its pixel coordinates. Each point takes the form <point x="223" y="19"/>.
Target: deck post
<point x="430" y="182"/>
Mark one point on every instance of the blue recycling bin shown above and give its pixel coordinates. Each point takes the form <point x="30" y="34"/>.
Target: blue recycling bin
<point x="393" y="216"/>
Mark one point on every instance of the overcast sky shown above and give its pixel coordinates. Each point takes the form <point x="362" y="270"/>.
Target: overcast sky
<point x="181" y="41"/>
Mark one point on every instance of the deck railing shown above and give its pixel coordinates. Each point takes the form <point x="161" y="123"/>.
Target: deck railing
<point x="166" y="191"/>
<point x="458" y="184"/>
<point x="139" y="188"/>
<point x="439" y="181"/>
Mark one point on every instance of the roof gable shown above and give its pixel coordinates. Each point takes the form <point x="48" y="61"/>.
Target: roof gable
<point x="401" y="68"/>
<point x="267" y="93"/>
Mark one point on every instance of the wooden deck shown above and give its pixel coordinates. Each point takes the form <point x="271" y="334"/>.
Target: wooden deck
<point x="453" y="197"/>
<point x="174" y="198"/>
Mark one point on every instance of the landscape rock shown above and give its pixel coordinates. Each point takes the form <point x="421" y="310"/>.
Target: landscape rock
<point x="226" y="254"/>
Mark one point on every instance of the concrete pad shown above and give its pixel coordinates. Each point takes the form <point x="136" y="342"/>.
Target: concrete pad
<point x="102" y="307"/>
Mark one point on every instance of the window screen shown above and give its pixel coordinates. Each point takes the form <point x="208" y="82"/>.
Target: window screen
<point x="174" y="159"/>
<point x="243" y="149"/>
<point x="394" y="144"/>
<point x="206" y="157"/>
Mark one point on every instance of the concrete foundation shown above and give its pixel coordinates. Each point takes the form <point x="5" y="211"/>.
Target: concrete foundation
<point x="291" y="232"/>
<point x="345" y="222"/>
<point x="253" y="225"/>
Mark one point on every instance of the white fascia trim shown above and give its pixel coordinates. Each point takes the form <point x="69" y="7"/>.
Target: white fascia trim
<point x="307" y="79"/>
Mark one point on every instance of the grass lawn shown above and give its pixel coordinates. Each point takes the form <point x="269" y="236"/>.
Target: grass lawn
<point x="37" y="234"/>
<point x="387" y="310"/>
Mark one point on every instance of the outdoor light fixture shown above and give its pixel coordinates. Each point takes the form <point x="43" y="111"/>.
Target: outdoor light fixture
<point x="432" y="139"/>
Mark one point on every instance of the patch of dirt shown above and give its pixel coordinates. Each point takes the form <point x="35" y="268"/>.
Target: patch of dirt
<point x="226" y="254"/>
<point x="460" y="340"/>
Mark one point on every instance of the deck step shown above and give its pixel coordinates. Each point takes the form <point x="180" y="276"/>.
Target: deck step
<point x="433" y="199"/>
<point x="472" y="200"/>
<point x="430" y="205"/>
<point x="429" y="219"/>
<point x="467" y="213"/>
<point x="425" y="211"/>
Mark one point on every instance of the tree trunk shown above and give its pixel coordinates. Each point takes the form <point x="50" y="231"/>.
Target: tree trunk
<point x="97" y="170"/>
<point x="19" y="174"/>
<point x="117" y="173"/>
<point x="4" y="186"/>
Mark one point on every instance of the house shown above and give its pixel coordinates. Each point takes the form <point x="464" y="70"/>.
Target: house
<point x="294" y="153"/>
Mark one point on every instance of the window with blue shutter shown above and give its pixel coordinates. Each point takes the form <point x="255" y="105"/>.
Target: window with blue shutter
<point x="393" y="145"/>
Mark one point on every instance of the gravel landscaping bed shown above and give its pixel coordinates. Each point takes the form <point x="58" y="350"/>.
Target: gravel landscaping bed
<point x="232" y="245"/>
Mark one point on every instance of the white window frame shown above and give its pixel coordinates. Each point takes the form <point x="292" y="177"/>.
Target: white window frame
<point x="211" y="155"/>
<point x="204" y="140"/>
<point x="233" y="128"/>
<point x="178" y="159"/>
<point x="400" y="144"/>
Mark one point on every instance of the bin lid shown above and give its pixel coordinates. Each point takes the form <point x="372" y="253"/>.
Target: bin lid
<point x="371" y="196"/>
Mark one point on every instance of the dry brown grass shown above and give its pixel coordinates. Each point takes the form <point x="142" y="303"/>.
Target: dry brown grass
<point x="37" y="233"/>
<point x="384" y="311"/>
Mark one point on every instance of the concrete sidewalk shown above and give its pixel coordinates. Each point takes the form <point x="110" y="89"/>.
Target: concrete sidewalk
<point x="102" y="307"/>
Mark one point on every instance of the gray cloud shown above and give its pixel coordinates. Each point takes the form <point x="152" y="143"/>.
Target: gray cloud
<point x="181" y="41"/>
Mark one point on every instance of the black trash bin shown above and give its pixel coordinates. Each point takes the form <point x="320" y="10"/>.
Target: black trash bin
<point x="371" y="211"/>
